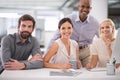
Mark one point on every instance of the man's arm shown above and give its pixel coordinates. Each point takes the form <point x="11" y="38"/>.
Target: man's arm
<point x="7" y="62"/>
<point x="5" y="50"/>
<point x="12" y="64"/>
<point x="33" y="63"/>
<point x="36" y="61"/>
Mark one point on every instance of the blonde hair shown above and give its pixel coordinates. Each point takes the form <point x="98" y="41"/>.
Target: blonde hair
<point x="112" y="25"/>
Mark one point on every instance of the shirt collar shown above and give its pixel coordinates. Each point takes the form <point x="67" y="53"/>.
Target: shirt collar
<point x="18" y="39"/>
<point x="78" y="19"/>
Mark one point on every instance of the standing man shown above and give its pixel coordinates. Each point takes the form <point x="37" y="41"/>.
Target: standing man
<point x="85" y="28"/>
<point x="16" y="48"/>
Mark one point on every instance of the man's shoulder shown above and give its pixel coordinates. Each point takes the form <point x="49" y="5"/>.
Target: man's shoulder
<point x="93" y="19"/>
<point x="73" y="15"/>
<point x="9" y="39"/>
<point x="9" y="36"/>
<point x="33" y="39"/>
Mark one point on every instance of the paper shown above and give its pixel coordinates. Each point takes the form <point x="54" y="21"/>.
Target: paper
<point x="64" y="73"/>
<point x="98" y="69"/>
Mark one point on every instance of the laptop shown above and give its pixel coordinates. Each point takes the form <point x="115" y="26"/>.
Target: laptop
<point x="116" y="48"/>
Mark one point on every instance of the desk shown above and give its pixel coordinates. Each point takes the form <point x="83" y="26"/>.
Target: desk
<point x="44" y="74"/>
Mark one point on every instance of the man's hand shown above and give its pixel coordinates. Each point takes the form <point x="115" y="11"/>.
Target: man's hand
<point x="36" y="57"/>
<point x="14" y="65"/>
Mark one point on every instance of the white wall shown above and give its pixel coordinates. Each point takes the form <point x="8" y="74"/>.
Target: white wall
<point x="48" y="36"/>
<point x="100" y="9"/>
<point x="2" y="26"/>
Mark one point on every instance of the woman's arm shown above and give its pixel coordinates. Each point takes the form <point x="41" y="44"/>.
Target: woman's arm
<point x="52" y="51"/>
<point x="93" y="62"/>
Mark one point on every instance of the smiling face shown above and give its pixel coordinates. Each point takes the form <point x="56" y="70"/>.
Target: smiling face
<point x="25" y="29"/>
<point x="66" y="30"/>
<point x="84" y="8"/>
<point x="106" y="29"/>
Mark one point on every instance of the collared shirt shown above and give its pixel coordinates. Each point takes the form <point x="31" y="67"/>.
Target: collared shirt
<point x="83" y="33"/>
<point x="12" y="47"/>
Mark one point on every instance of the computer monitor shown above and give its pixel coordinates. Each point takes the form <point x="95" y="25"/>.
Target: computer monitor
<point x="116" y="48"/>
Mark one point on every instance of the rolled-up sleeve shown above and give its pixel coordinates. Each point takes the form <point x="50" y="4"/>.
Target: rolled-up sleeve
<point x="33" y="65"/>
<point x="36" y="47"/>
<point x="35" y="50"/>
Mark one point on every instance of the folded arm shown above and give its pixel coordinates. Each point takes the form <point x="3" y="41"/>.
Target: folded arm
<point x="35" y="62"/>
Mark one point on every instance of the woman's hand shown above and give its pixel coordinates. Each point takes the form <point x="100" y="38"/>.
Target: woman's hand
<point x="79" y="64"/>
<point x="36" y="57"/>
<point x="108" y="43"/>
<point x="89" y="66"/>
<point x="65" y="66"/>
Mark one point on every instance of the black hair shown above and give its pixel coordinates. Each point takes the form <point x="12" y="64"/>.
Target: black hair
<point x="26" y="17"/>
<point x="63" y="20"/>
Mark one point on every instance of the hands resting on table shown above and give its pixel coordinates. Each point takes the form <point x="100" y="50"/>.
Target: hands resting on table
<point x="17" y="65"/>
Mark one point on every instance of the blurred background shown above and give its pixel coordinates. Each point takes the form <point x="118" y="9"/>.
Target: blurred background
<point x="47" y="14"/>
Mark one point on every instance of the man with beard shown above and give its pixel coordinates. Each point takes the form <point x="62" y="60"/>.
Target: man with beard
<point x="85" y="28"/>
<point x="16" y="48"/>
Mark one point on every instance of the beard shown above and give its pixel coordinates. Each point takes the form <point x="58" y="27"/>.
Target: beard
<point x="25" y="34"/>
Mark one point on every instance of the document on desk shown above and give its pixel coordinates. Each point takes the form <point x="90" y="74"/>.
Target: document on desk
<point x="98" y="69"/>
<point x="64" y="73"/>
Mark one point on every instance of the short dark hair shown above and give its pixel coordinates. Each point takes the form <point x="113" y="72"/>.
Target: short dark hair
<point x="26" y="17"/>
<point x="63" y="20"/>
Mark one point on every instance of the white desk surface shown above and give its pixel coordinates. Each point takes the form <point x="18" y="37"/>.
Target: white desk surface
<point x="44" y="74"/>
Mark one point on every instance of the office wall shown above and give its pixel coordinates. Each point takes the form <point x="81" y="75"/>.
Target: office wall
<point x="3" y="28"/>
<point x="100" y="9"/>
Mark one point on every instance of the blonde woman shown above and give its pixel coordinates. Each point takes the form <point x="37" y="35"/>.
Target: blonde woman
<point x="101" y="48"/>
